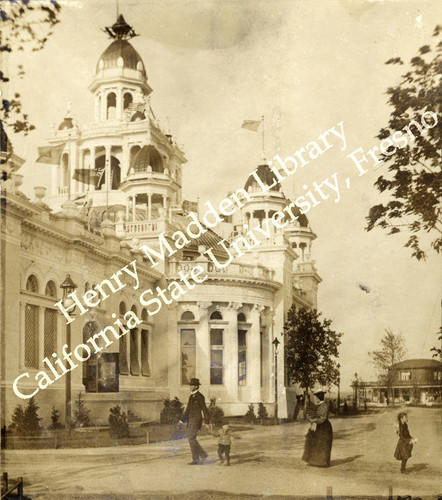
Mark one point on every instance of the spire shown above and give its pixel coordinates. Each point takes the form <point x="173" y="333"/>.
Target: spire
<point x="120" y="30"/>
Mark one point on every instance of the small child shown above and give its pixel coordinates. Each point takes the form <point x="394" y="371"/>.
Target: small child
<point x="224" y="435"/>
<point x="405" y="443"/>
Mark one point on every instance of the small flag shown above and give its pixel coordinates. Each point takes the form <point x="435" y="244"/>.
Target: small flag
<point x="252" y="125"/>
<point x="50" y="154"/>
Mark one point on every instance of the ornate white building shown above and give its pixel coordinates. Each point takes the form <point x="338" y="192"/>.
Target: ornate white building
<point x="117" y="184"/>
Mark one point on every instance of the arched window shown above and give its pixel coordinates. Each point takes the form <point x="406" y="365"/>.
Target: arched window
<point x="187" y="316"/>
<point x="32" y="284"/>
<point x="122" y="308"/>
<point x="242" y="317"/>
<point x="134" y="309"/>
<point x="111" y="107"/>
<point x="51" y="289"/>
<point x="216" y="315"/>
<point x="133" y="153"/>
<point x="115" y="173"/>
<point x="127" y="99"/>
<point x="144" y="314"/>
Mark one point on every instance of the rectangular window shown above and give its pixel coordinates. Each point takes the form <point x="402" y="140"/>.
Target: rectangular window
<point x="216" y="356"/>
<point x="50" y="333"/>
<point x="145" y="368"/>
<point x="188" y="356"/>
<point x="405" y="376"/>
<point x="134" y="366"/>
<point x="242" y="357"/>
<point x="31" y="336"/>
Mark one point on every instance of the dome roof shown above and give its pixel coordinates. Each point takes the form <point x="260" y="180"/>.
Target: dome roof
<point x="66" y="124"/>
<point x="120" y="53"/>
<point x="267" y="177"/>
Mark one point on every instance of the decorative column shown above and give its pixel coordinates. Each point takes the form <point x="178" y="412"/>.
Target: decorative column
<point x="134" y="200"/>
<point x="203" y="347"/>
<point x="22" y="334"/>
<point x="97" y="107"/>
<point x="254" y="353"/>
<point x="41" y="333"/>
<point x="231" y="351"/>
<point x="149" y="208"/>
<point x="119" y="98"/>
<point x="139" y="346"/>
<point x="107" y="167"/>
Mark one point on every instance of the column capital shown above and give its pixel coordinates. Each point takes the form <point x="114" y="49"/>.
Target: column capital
<point x="234" y="305"/>
<point x="204" y="304"/>
<point x="258" y="307"/>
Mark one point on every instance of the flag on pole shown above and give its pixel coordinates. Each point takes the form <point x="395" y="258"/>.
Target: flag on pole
<point x="50" y="154"/>
<point x="252" y="125"/>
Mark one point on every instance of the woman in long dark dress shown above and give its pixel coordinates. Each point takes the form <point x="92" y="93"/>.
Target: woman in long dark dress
<point x="405" y="444"/>
<point x="319" y="439"/>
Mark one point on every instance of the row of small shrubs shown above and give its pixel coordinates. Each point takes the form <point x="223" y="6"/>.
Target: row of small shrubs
<point x="173" y="411"/>
<point x="251" y="417"/>
<point x="26" y="422"/>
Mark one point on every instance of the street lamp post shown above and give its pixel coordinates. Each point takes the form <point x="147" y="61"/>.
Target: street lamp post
<point x="356" y="391"/>
<point x="339" y="387"/>
<point x="276" y="344"/>
<point x="68" y="287"/>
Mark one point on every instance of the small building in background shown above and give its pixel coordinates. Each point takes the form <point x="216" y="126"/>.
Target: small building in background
<point x="413" y="380"/>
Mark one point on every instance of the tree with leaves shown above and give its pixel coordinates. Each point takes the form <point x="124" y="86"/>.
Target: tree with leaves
<point x="413" y="182"/>
<point x="392" y="350"/>
<point x="311" y="349"/>
<point x="24" y="25"/>
<point x="438" y="350"/>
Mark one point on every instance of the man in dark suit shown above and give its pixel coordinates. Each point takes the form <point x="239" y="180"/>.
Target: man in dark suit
<point x="196" y="408"/>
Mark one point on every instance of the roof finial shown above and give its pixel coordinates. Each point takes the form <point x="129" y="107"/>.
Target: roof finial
<point x="120" y="29"/>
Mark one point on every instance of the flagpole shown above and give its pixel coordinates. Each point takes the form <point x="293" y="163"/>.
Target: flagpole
<point x="263" y="148"/>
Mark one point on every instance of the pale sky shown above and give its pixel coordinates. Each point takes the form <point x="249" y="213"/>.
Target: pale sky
<point x="312" y="64"/>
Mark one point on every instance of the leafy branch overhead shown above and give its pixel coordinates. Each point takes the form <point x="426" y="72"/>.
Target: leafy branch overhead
<point x="25" y="24"/>
<point x="413" y="183"/>
<point x="311" y="348"/>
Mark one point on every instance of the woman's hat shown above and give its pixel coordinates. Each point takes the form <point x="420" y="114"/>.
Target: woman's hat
<point x="319" y="394"/>
<point x="194" y="381"/>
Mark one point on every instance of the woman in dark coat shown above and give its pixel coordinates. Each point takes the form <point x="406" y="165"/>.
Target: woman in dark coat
<point x="405" y="444"/>
<point x="319" y="439"/>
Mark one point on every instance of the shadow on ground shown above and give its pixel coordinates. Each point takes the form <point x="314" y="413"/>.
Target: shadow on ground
<point x="341" y="461"/>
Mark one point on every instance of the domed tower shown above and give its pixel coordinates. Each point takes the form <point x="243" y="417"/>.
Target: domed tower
<point x="123" y="166"/>
<point x="120" y="80"/>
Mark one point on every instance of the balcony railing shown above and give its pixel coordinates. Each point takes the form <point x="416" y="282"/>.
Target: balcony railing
<point x="234" y="270"/>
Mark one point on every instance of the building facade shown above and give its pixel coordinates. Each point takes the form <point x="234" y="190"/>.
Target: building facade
<point x="413" y="380"/>
<point x="116" y="185"/>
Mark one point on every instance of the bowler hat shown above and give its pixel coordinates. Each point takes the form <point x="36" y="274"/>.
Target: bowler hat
<point x="320" y="394"/>
<point x="194" y="381"/>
